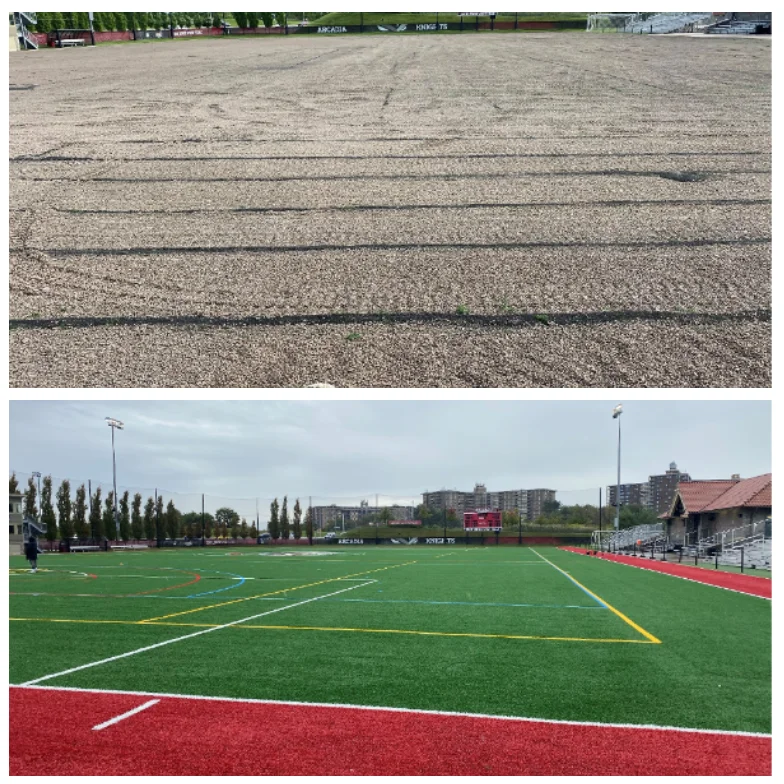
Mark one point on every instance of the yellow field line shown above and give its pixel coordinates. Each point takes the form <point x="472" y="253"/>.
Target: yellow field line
<point x="273" y="593"/>
<point x="444" y="634"/>
<point x="599" y="599"/>
<point x="351" y="629"/>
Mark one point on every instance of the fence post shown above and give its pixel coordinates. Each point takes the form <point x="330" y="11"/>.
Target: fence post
<point x="696" y="555"/>
<point x="717" y="560"/>
<point x="680" y="555"/>
<point x="741" y="559"/>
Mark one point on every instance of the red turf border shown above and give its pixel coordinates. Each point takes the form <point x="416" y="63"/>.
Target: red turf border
<point x="742" y="583"/>
<point x="51" y="735"/>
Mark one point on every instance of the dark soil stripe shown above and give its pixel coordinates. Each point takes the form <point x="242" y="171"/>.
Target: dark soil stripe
<point x="405" y="207"/>
<point x="454" y="156"/>
<point x="387" y="246"/>
<point x="455" y="176"/>
<point x="354" y="140"/>
<point x="505" y="320"/>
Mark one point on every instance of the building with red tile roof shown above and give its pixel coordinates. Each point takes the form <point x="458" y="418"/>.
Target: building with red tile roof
<point x="705" y="508"/>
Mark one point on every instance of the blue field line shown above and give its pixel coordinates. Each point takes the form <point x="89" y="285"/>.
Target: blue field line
<point x="424" y="601"/>
<point x="474" y="604"/>
<point x="571" y="579"/>
<point x="240" y="580"/>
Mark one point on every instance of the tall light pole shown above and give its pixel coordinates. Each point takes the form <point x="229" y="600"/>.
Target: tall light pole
<point x="114" y="424"/>
<point x="617" y="411"/>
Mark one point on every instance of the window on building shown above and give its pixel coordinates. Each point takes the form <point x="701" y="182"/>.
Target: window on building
<point x="10" y="529"/>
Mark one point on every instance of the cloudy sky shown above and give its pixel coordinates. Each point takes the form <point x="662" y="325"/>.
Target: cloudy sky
<point x="341" y="452"/>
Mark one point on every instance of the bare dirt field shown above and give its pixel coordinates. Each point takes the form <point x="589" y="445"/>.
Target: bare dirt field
<point x="548" y="210"/>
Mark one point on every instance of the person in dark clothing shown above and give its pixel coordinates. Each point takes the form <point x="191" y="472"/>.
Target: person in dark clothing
<point x="31" y="553"/>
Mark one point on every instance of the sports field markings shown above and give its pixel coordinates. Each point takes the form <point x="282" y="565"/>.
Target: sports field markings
<point x="213" y="626"/>
<point x="601" y="601"/>
<point x="188" y="636"/>
<point x="474" y="604"/>
<point x="424" y="711"/>
<point x="684" y="577"/>
<point x="126" y="715"/>
<point x="273" y="593"/>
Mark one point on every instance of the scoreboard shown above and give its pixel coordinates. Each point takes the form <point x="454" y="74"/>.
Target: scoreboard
<point x="482" y="520"/>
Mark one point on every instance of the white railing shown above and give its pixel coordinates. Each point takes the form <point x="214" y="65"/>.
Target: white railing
<point x="669" y="22"/>
<point x="628" y="538"/>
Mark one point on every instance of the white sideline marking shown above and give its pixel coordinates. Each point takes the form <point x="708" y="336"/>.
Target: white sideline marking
<point x="188" y="636"/>
<point x="126" y="715"/>
<point x="683" y="577"/>
<point x="422" y="711"/>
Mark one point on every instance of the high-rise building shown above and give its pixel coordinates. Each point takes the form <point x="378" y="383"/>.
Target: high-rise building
<point x="481" y="498"/>
<point x="536" y="499"/>
<point x="631" y="494"/>
<point x="662" y="488"/>
<point x="441" y="500"/>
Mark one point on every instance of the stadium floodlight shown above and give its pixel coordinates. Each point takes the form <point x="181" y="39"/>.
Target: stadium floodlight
<point x="114" y="424"/>
<point x="616" y="412"/>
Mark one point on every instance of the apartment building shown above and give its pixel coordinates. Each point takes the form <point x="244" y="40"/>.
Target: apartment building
<point x="527" y="502"/>
<point x="662" y="487"/>
<point x="631" y="494"/>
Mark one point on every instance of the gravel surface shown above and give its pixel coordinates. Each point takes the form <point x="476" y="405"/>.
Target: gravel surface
<point x="479" y="210"/>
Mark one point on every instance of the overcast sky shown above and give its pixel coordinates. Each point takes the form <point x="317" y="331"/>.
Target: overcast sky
<point x="341" y="452"/>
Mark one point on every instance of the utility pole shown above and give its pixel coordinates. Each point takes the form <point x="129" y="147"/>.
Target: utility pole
<point x="114" y="424"/>
<point x="617" y="411"/>
<point x="601" y="546"/>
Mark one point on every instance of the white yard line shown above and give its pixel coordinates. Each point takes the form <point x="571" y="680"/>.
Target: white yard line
<point x="189" y="636"/>
<point x="422" y="711"/>
<point x="125" y="715"/>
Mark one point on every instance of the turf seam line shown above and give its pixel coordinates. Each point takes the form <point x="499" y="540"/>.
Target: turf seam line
<point x="126" y="715"/>
<point x="185" y="637"/>
<point x="612" y="609"/>
<point x="426" y="711"/>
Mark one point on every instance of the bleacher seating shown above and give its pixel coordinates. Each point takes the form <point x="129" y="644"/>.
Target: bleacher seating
<point x="669" y="22"/>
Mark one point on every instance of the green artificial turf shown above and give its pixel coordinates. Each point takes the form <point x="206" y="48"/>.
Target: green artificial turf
<point x="480" y="616"/>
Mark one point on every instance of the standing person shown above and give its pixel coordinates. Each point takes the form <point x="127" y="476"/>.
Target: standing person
<point x="31" y="553"/>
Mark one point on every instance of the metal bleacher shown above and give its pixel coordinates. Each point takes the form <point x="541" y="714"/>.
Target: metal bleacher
<point x="640" y="536"/>
<point x="23" y="20"/>
<point x="669" y="23"/>
<point x="749" y="546"/>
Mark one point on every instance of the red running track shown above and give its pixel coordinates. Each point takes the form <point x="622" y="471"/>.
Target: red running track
<point x="51" y="734"/>
<point x="743" y="583"/>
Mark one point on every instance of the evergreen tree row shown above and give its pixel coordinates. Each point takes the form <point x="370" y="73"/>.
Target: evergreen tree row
<point x="280" y="527"/>
<point x="85" y="517"/>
